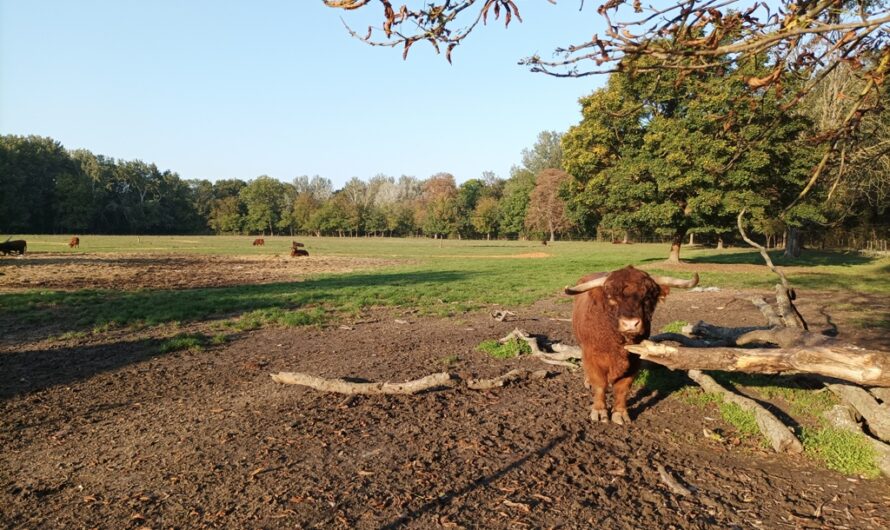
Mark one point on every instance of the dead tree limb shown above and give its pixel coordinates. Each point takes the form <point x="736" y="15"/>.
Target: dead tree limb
<point x="711" y="332"/>
<point x="673" y="484"/>
<point x="341" y="386"/>
<point x="844" y="417"/>
<point x="841" y="362"/>
<point x="779" y="435"/>
<point x="430" y="382"/>
<point x="767" y="310"/>
<point x="876" y="415"/>
<point x="791" y="317"/>
<point x="559" y="358"/>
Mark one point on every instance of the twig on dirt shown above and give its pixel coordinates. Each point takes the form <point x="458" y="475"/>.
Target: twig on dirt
<point x="673" y="484"/>
<point x="876" y="415"/>
<point x="433" y="381"/>
<point x="563" y="357"/>
<point x="779" y="435"/>
<point x="502" y="314"/>
<point x="341" y="386"/>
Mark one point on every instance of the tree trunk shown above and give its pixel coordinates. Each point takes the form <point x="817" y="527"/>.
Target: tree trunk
<point x="552" y="232"/>
<point x="832" y="359"/>
<point x="676" y="241"/>
<point x="793" y="243"/>
<point x="691" y="238"/>
<point x="719" y="242"/>
<point x="626" y="236"/>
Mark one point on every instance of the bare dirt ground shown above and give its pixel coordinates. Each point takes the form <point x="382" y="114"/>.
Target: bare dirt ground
<point x="167" y="271"/>
<point x="111" y="433"/>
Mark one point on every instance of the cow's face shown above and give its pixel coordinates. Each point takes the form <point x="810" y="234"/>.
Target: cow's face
<point x="630" y="297"/>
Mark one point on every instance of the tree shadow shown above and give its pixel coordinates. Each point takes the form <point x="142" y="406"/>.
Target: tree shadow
<point x="35" y="315"/>
<point x="807" y="258"/>
<point x="29" y="371"/>
<point x="481" y="482"/>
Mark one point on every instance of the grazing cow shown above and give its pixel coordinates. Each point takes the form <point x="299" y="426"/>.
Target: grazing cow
<point x="611" y="310"/>
<point x="16" y="246"/>
<point x="295" y="250"/>
<point x="259" y="242"/>
<point x="74" y="243"/>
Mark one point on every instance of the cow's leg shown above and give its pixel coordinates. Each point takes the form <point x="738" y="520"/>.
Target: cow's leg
<point x="620" y="388"/>
<point x="596" y="381"/>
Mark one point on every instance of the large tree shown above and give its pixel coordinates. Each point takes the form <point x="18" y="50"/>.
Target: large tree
<point x="664" y="153"/>
<point x="547" y="209"/>
<point x="264" y="199"/>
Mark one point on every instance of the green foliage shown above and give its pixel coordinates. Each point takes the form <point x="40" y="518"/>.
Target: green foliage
<point x="743" y="420"/>
<point x="183" y="341"/>
<point x="844" y="451"/>
<point x="508" y="350"/>
<point x="650" y="153"/>
<point x="660" y="379"/>
<point x="278" y="317"/>
<point x="674" y="327"/>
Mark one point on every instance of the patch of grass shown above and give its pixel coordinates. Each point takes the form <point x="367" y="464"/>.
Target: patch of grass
<point x="844" y="451"/>
<point x="743" y="420"/>
<point x="278" y="317"/>
<point x="674" y="327"/>
<point x="508" y="350"/>
<point x="219" y="339"/>
<point x="802" y="401"/>
<point x="660" y="379"/>
<point x="693" y="395"/>
<point x="184" y="341"/>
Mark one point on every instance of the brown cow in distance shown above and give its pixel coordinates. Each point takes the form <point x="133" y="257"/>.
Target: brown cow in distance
<point x="259" y="242"/>
<point x="295" y="250"/>
<point x="74" y="243"/>
<point x="611" y="310"/>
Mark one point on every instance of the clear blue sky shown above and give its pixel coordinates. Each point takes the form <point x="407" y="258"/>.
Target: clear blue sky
<point x="224" y="89"/>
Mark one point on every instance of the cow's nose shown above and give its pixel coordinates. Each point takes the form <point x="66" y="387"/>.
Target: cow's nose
<point x="628" y="325"/>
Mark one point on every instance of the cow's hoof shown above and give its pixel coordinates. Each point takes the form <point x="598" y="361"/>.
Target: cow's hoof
<point x="620" y="417"/>
<point x="599" y="415"/>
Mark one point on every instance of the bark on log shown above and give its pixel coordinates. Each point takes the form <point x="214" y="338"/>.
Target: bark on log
<point x="876" y="415"/>
<point x="844" y="417"/>
<point x="848" y="363"/>
<point x="341" y="386"/>
<point x="767" y="310"/>
<point x="881" y="393"/>
<point x="432" y="381"/>
<point x="779" y="435"/>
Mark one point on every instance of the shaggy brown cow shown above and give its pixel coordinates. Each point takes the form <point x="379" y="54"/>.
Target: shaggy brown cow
<point x="259" y="242"/>
<point x="295" y="250"/>
<point x="16" y="246"/>
<point x="74" y="243"/>
<point x="611" y="310"/>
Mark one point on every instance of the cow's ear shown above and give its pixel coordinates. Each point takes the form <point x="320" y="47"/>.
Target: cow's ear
<point x="665" y="290"/>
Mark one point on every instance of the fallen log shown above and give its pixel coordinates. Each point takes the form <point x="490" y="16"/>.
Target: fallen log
<point x="876" y="415"/>
<point x="429" y="382"/>
<point x="780" y="437"/>
<point x="341" y="386"/>
<point x="847" y="363"/>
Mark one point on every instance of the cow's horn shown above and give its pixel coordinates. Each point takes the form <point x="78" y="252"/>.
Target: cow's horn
<point x="676" y="282"/>
<point x="586" y="286"/>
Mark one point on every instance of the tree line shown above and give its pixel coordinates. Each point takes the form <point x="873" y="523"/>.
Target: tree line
<point x="655" y="154"/>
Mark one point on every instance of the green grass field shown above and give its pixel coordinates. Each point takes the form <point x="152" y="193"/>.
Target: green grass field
<point x="443" y="277"/>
